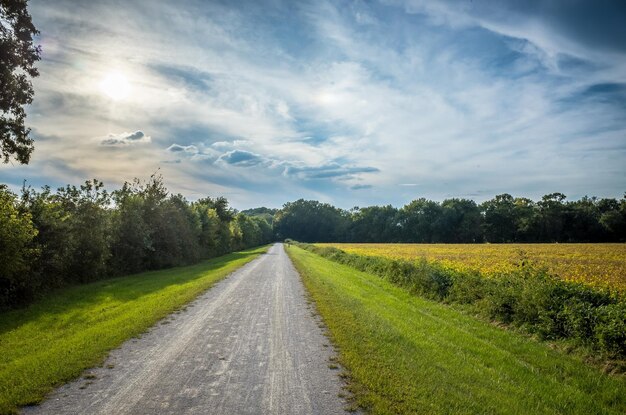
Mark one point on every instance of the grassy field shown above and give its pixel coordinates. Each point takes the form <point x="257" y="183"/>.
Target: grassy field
<point x="600" y="265"/>
<point x="408" y="355"/>
<point x="54" y="340"/>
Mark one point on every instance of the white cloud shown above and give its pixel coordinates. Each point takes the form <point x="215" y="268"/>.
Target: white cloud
<point x="177" y="148"/>
<point x="124" y="139"/>
<point x="415" y="102"/>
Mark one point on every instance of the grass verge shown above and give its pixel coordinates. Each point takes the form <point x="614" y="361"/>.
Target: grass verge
<point x="407" y="355"/>
<point x="54" y="340"/>
<point x="528" y="298"/>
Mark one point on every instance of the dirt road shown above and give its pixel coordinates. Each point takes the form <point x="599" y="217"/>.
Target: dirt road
<point x="250" y="345"/>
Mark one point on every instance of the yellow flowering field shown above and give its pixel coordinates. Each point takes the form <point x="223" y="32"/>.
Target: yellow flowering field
<point x="594" y="264"/>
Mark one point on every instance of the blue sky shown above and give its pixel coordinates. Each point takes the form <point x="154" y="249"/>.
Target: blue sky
<point x="353" y="103"/>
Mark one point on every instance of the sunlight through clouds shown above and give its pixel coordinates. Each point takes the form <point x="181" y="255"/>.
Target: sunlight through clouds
<point x="351" y="103"/>
<point x="116" y="86"/>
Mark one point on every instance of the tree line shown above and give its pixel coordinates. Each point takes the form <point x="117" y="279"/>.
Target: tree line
<point x="81" y="234"/>
<point x="499" y="220"/>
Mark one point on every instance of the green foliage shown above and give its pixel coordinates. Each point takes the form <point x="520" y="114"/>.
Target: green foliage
<point x="235" y="235"/>
<point x="17" y="59"/>
<point x="310" y="221"/>
<point x="609" y="328"/>
<point x="266" y="232"/>
<point x="408" y="355"/>
<point x="210" y="225"/>
<point x="460" y="221"/>
<point x="528" y="298"/>
<point x="261" y="212"/>
<point x="16" y="253"/>
<point x="87" y="251"/>
<point x="500" y="216"/>
<point x="374" y="224"/>
<point x="81" y="234"/>
<point x="501" y="219"/>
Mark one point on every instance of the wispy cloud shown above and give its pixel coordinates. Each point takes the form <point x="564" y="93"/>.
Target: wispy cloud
<point x="267" y="102"/>
<point x="177" y="148"/>
<point x="361" y="186"/>
<point x="123" y="139"/>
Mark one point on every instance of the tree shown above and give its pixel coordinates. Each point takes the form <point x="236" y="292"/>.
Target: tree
<point x="499" y="223"/>
<point x="131" y="240"/>
<point x="250" y="231"/>
<point x="267" y="233"/>
<point x="418" y="219"/>
<point x="209" y="229"/>
<point x="460" y="222"/>
<point x="85" y="208"/>
<point x="551" y="217"/>
<point x="311" y="221"/>
<point x="613" y="218"/>
<point x="225" y="215"/>
<point x="261" y="212"/>
<point x="582" y="221"/>
<point x="16" y="234"/>
<point x="526" y="222"/>
<point x="18" y="55"/>
<point x="54" y="238"/>
<point x="375" y="224"/>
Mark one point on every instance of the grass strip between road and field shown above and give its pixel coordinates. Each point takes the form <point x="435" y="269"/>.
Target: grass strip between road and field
<point x="529" y="298"/>
<point x="54" y="340"/>
<point x="407" y="354"/>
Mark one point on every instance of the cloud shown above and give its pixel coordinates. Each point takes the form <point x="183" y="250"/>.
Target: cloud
<point x="185" y="76"/>
<point x="328" y="171"/>
<point x="222" y="145"/>
<point x="272" y="166"/>
<point x="361" y="186"/>
<point x="592" y="31"/>
<point x="123" y="139"/>
<point x="177" y="148"/>
<point x="226" y="145"/>
<point x="514" y="97"/>
<point x="241" y="158"/>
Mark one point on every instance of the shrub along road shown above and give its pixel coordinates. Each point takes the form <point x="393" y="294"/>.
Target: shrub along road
<point x="250" y="345"/>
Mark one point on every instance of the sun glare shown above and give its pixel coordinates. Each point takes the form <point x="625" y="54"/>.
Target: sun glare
<point x="326" y="98"/>
<point x="115" y="85"/>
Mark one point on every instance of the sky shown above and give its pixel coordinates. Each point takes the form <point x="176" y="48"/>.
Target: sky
<point x="353" y="103"/>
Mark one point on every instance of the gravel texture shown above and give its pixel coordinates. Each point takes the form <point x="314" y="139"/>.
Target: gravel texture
<point x="250" y="345"/>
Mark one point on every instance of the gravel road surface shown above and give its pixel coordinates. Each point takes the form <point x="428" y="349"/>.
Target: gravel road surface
<point x="250" y="345"/>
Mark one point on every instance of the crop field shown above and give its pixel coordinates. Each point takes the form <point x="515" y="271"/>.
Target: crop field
<point x="600" y="265"/>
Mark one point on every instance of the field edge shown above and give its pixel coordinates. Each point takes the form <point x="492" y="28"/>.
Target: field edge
<point x="361" y="386"/>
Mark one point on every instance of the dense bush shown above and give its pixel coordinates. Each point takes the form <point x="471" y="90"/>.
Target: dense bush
<point x="16" y="235"/>
<point x="80" y="234"/>
<point x="528" y="298"/>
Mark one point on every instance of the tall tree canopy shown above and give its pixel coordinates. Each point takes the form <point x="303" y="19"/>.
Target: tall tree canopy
<point x="501" y="219"/>
<point x="79" y="234"/>
<point x="311" y="221"/>
<point x="18" y="55"/>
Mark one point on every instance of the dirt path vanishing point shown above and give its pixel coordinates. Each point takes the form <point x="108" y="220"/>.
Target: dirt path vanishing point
<point x="250" y="345"/>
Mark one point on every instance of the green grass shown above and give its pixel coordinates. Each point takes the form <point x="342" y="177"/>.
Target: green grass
<point x="54" y="340"/>
<point x="408" y="355"/>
